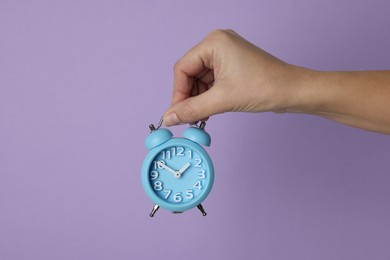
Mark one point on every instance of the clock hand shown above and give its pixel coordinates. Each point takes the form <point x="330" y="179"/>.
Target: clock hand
<point x="185" y="167"/>
<point x="163" y="165"/>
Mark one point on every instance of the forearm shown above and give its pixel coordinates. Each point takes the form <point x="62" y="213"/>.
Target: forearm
<point x="359" y="99"/>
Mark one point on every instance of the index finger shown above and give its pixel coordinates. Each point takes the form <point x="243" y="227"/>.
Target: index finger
<point x="192" y="64"/>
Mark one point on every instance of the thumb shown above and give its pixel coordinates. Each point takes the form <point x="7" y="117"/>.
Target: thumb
<point x="196" y="108"/>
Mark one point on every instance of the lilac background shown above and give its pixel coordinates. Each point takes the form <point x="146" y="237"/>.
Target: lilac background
<point x="81" y="80"/>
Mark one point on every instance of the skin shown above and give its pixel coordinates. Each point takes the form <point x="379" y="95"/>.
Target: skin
<point x="226" y="73"/>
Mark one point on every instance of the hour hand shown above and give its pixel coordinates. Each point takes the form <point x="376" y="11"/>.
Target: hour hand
<point x="166" y="167"/>
<point x="185" y="167"/>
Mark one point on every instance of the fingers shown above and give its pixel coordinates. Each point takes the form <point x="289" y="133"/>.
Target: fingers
<point x="195" y="64"/>
<point x="195" y="96"/>
<point x="196" y="108"/>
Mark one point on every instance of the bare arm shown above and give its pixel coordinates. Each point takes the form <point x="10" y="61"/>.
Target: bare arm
<point x="358" y="98"/>
<point x="224" y="72"/>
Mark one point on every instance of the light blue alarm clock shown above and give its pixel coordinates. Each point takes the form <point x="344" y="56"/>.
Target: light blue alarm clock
<point x="177" y="173"/>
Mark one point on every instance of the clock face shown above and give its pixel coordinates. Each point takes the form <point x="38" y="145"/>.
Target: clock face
<point x="180" y="174"/>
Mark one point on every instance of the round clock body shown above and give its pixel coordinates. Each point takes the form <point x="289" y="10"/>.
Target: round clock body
<point x="178" y="174"/>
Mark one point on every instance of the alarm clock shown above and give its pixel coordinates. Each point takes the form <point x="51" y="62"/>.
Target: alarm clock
<point x="177" y="172"/>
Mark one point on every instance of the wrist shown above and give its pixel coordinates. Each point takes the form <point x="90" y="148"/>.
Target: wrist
<point x="308" y="92"/>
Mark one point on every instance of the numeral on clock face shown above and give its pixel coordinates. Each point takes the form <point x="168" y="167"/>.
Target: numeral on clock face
<point x="197" y="185"/>
<point x="189" y="194"/>
<point x="153" y="175"/>
<point x="156" y="164"/>
<point x="179" y="151"/>
<point x="198" y="162"/>
<point x="201" y="174"/>
<point x="167" y="193"/>
<point x="158" y="185"/>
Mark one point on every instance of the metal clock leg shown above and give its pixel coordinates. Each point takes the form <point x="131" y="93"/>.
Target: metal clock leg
<point x="200" y="207"/>
<point x="155" y="208"/>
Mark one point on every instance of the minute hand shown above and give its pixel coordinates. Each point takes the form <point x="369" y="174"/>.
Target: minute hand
<point x="159" y="163"/>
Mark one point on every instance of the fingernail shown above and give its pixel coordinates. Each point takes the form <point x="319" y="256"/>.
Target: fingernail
<point x="171" y="119"/>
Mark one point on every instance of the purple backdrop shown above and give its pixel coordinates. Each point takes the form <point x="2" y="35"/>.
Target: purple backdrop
<point x="81" y="80"/>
